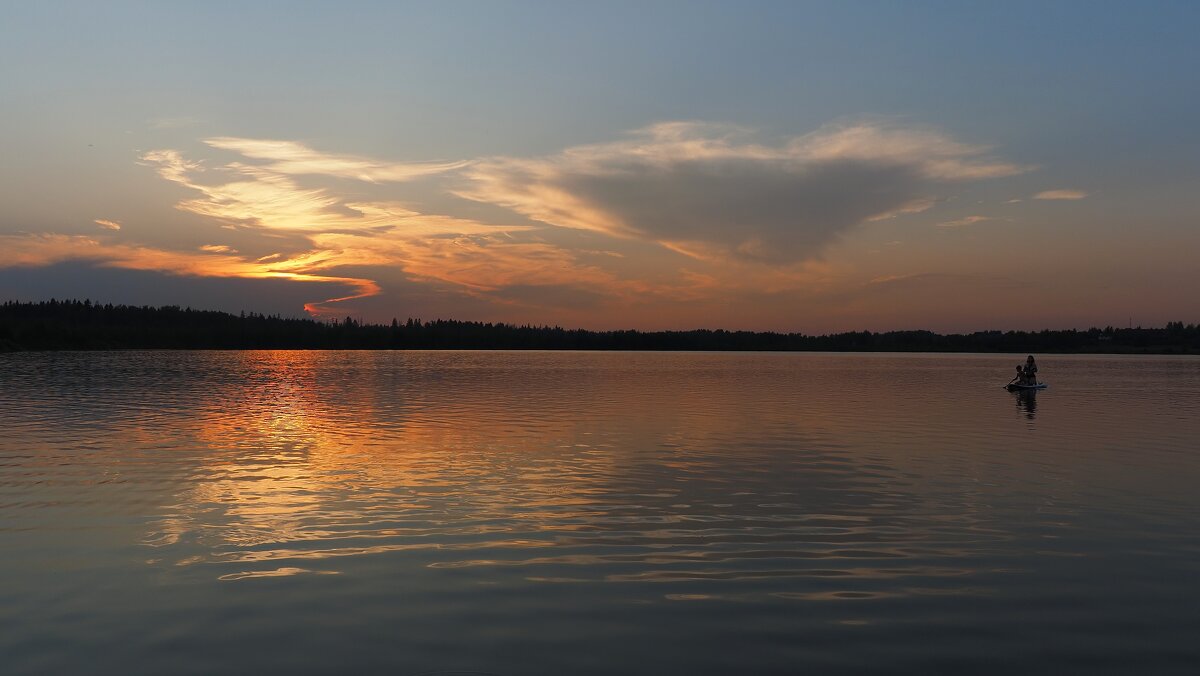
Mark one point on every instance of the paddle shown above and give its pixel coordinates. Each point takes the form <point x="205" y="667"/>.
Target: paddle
<point x="1014" y="379"/>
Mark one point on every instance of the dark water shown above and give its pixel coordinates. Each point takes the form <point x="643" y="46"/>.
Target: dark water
<point x="596" y="513"/>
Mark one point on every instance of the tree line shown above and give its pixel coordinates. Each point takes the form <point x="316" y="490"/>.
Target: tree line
<point x="84" y="325"/>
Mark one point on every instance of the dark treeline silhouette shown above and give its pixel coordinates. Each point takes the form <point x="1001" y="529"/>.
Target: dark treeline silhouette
<point x="83" y="325"/>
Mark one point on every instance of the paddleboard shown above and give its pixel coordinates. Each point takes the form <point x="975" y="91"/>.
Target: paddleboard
<point x="1017" y="388"/>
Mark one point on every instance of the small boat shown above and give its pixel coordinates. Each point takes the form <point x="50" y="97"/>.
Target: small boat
<point x="1014" y="387"/>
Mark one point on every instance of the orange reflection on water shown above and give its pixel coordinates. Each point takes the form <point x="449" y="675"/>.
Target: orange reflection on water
<point x="626" y="468"/>
<point x="311" y="467"/>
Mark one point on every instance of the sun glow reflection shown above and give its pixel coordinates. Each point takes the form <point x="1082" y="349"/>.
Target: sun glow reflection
<point x="306" y="464"/>
<point x="315" y="462"/>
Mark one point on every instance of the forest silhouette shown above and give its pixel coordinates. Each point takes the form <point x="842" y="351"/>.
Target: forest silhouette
<point x="84" y="325"/>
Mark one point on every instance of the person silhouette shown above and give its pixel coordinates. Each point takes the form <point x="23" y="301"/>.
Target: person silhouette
<point x="1018" y="379"/>
<point x="1030" y="371"/>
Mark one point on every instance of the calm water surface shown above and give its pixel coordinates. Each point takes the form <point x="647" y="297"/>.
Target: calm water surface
<point x="596" y="513"/>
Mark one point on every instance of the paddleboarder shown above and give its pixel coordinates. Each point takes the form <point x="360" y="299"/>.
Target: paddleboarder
<point x="1030" y="371"/>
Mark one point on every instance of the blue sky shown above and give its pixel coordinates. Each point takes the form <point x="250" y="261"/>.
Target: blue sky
<point x="554" y="118"/>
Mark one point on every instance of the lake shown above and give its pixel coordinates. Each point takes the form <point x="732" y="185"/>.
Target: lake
<point x="596" y="513"/>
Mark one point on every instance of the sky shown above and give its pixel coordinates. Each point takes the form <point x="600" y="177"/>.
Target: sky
<point x="790" y="166"/>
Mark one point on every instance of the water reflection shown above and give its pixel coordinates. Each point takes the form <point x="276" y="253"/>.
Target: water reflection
<point x="575" y="480"/>
<point x="1027" y="402"/>
<point x="776" y="503"/>
<point x="651" y="468"/>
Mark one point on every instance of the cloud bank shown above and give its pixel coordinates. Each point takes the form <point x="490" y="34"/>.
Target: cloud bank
<point x="599" y="222"/>
<point x="704" y="190"/>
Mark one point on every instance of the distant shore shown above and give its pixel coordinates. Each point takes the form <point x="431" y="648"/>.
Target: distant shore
<point x="83" y="325"/>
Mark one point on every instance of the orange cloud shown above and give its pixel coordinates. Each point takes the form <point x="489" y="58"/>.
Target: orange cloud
<point x="261" y="197"/>
<point x="47" y="249"/>
<point x="107" y="224"/>
<point x="339" y="233"/>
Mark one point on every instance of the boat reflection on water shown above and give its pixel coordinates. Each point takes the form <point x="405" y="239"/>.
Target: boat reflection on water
<point x="1027" y="402"/>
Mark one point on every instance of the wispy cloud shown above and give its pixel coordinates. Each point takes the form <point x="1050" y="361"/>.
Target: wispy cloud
<point x="934" y="154"/>
<point x="289" y="157"/>
<point x="706" y="191"/>
<point x="107" y="224"/>
<point x="480" y="263"/>
<point x="1061" y="194"/>
<point x="267" y="198"/>
<point x="966" y="220"/>
<point x="171" y="165"/>
<point x="259" y="196"/>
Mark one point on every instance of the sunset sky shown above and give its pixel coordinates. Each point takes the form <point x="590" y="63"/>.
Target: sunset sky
<point x="799" y="166"/>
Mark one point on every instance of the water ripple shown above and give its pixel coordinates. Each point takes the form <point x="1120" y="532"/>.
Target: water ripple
<point x="531" y="500"/>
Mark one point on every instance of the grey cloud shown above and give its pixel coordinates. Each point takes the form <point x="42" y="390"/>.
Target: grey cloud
<point x="756" y="209"/>
<point x="697" y="189"/>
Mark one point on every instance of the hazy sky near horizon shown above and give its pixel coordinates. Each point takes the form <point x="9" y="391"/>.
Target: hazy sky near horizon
<point x="811" y="166"/>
